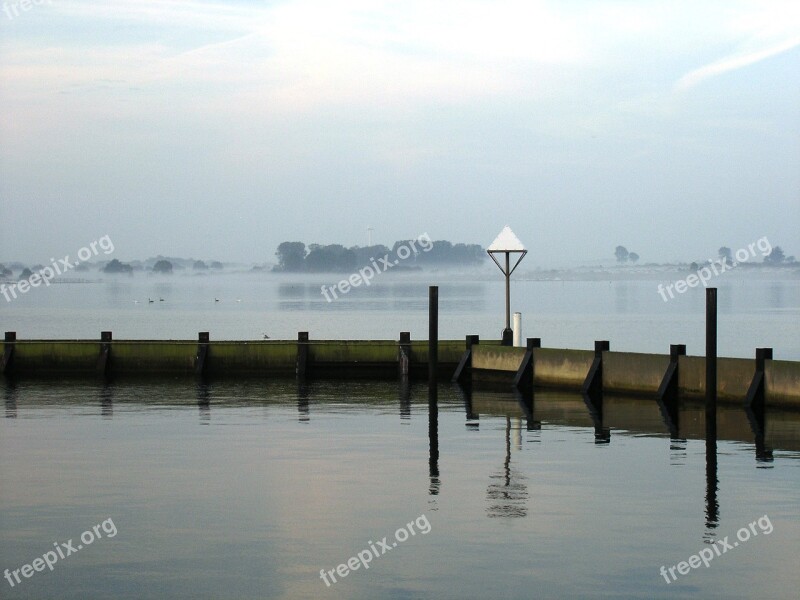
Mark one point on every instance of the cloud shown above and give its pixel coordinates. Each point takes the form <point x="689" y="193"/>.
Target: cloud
<point x="734" y="62"/>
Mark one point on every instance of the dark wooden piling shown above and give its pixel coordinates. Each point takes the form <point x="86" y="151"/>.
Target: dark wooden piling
<point x="755" y="405"/>
<point x="667" y="395"/>
<point x="463" y="371"/>
<point x="7" y="364"/>
<point x="668" y="390"/>
<point x="755" y="393"/>
<point x="593" y="384"/>
<point x="404" y="354"/>
<point x="301" y="369"/>
<point x="201" y="359"/>
<point x="523" y="380"/>
<point x="711" y="362"/>
<point x="433" y="334"/>
<point x="712" y="482"/>
<point x="104" y="360"/>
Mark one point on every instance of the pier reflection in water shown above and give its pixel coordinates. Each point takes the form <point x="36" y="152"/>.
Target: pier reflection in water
<point x="277" y="479"/>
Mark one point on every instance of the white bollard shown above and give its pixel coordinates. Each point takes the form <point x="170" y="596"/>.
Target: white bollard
<point x="517" y="327"/>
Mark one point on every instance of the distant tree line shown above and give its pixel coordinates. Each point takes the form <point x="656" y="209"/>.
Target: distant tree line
<point x="296" y="257"/>
<point x="776" y="256"/>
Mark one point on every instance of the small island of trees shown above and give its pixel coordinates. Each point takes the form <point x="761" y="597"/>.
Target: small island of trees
<point x="295" y="257"/>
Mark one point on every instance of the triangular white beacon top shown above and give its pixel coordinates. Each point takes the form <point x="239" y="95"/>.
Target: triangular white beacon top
<point x="507" y="240"/>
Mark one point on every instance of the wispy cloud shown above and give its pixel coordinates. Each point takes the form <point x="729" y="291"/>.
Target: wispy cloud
<point x="733" y="62"/>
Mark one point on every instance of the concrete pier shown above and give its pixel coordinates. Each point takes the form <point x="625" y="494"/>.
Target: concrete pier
<point x="628" y="373"/>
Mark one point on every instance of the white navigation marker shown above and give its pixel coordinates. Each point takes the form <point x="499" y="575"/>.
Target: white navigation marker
<point x="507" y="243"/>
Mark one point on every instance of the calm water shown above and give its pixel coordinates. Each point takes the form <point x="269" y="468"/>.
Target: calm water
<point x="247" y="490"/>
<point x="753" y="311"/>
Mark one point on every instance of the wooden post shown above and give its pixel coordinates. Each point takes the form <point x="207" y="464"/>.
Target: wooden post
<point x="433" y="334"/>
<point x="104" y="360"/>
<point x="593" y="384"/>
<point x="464" y="367"/>
<point x="711" y="362"/>
<point x="202" y="353"/>
<point x="7" y="360"/>
<point x="667" y="394"/>
<point x="301" y="368"/>
<point x="523" y="380"/>
<point x="668" y="390"/>
<point x="754" y="405"/>
<point x="404" y="353"/>
<point x="756" y="392"/>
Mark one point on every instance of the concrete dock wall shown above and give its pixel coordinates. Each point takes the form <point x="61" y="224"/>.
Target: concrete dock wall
<point x="622" y="372"/>
<point x="561" y="368"/>
<point x="33" y="358"/>
<point x="633" y="373"/>
<point x="733" y="377"/>
<point x="639" y="374"/>
<point x="782" y="381"/>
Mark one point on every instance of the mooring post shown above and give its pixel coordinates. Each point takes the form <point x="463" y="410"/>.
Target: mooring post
<point x="754" y="405"/>
<point x="712" y="482"/>
<point x="202" y="353"/>
<point x="302" y="354"/>
<point x="433" y="334"/>
<point x="592" y="391"/>
<point x="668" y="390"/>
<point x="105" y="353"/>
<point x="757" y="391"/>
<point x="711" y="362"/>
<point x="523" y="380"/>
<point x="667" y="394"/>
<point x="464" y="367"/>
<point x="762" y="356"/>
<point x="8" y="352"/>
<point x="404" y="354"/>
<point x="593" y="384"/>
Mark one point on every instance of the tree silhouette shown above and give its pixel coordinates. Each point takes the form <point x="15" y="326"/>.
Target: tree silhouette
<point x="162" y="266"/>
<point x="775" y="257"/>
<point x="117" y="267"/>
<point x="291" y="256"/>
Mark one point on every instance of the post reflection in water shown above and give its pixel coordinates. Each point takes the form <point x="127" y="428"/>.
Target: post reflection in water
<point x="433" y="441"/>
<point x="712" y="483"/>
<point x="472" y="418"/>
<point x="526" y="402"/>
<point x="204" y="401"/>
<point x="11" y="399"/>
<point x="756" y="416"/>
<point x="507" y="494"/>
<point x="303" y="407"/>
<point x="602" y="435"/>
<point x="107" y="401"/>
<point x="405" y="399"/>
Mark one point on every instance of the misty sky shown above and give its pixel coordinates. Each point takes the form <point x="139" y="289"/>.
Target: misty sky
<point x="219" y="129"/>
